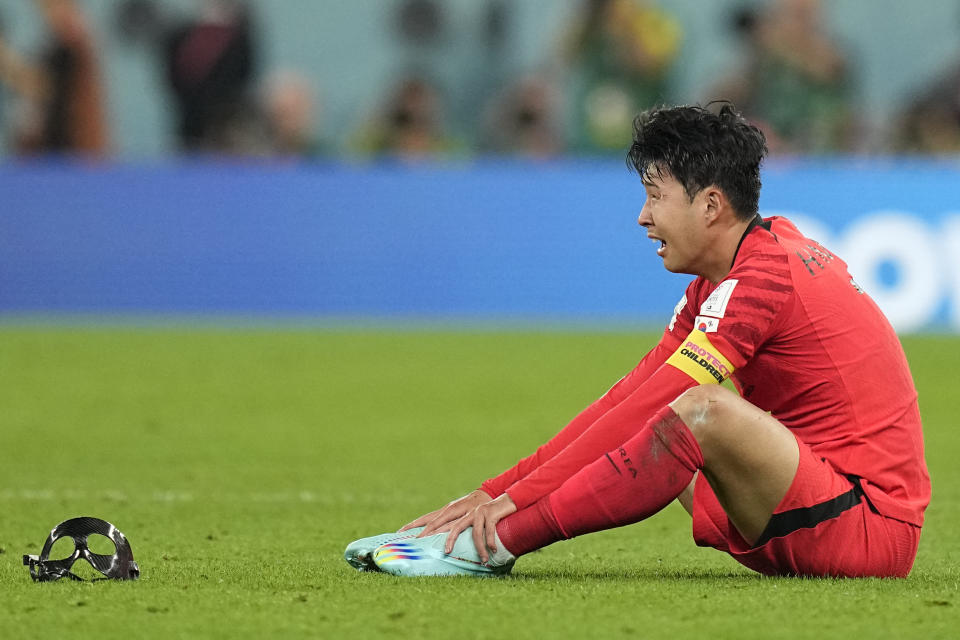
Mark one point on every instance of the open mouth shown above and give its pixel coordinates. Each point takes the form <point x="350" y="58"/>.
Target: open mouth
<point x="662" y="245"/>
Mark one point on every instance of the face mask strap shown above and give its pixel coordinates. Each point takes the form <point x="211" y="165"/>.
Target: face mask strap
<point x="50" y="570"/>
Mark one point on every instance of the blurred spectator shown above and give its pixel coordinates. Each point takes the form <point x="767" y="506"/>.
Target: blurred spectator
<point x="138" y="21"/>
<point x="61" y="99"/>
<point x="796" y="82"/>
<point x="737" y="87"/>
<point x="410" y="124"/>
<point x="483" y="79"/>
<point x="525" y="120"/>
<point x="622" y="53"/>
<point x="421" y="23"/>
<point x="931" y="124"/>
<point x="289" y="117"/>
<point x="210" y="64"/>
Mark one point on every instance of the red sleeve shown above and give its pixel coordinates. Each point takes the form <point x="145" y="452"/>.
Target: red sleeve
<point x="610" y="431"/>
<point x="617" y="393"/>
<point x="680" y="324"/>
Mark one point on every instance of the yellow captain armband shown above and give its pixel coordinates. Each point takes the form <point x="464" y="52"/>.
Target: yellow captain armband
<point x="699" y="359"/>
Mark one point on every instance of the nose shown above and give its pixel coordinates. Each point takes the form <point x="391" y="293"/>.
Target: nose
<point x="644" y="219"/>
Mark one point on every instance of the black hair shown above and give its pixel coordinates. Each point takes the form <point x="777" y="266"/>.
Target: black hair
<point x="700" y="148"/>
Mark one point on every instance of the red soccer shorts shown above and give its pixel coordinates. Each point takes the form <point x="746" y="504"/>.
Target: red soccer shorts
<point x="824" y="526"/>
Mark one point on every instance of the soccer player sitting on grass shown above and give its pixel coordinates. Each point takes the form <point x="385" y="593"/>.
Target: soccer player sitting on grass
<point x="815" y="469"/>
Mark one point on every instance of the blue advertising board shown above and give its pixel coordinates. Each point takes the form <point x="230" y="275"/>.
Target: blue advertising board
<point x="481" y="242"/>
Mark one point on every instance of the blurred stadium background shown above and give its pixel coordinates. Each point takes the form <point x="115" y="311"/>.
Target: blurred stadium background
<point x="451" y="160"/>
<point x="218" y="221"/>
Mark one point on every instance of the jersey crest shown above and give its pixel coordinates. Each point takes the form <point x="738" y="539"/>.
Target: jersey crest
<point x="716" y="304"/>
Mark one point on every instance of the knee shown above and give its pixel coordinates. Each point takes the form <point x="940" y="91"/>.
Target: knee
<point x="701" y="408"/>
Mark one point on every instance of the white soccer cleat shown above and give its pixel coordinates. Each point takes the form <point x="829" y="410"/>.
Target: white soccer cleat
<point x="358" y="553"/>
<point x="425" y="557"/>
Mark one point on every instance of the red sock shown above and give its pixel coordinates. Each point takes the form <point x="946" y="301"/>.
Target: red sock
<point x="529" y="529"/>
<point x="621" y="487"/>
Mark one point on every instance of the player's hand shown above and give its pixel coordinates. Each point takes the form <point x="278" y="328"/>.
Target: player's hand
<point x="440" y="520"/>
<point x="484" y="521"/>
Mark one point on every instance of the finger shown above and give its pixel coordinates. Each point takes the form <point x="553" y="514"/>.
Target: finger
<point x="448" y="515"/>
<point x="410" y="525"/>
<point x="444" y="528"/>
<point x="434" y="525"/>
<point x="435" y="528"/>
<point x="478" y="525"/>
<point x="442" y="518"/>
<point x="422" y="520"/>
<point x="490" y="527"/>
<point x="455" y="530"/>
<point x="425" y="523"/>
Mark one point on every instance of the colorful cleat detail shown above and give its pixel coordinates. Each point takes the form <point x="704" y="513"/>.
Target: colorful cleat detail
<point x="358" y="553"/>
<point x="425" y="557"/>
<point x="396" y="551"/>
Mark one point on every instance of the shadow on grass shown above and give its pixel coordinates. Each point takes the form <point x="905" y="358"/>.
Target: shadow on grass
<point x="632" y="574"/>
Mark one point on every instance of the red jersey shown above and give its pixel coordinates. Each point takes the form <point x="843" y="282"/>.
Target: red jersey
<point x="801" y="340"/>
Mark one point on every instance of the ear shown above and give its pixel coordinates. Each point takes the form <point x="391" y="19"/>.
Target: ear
<point x="714" y="203"/>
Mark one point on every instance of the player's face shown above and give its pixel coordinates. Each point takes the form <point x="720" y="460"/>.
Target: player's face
<point x="674" y="223"/>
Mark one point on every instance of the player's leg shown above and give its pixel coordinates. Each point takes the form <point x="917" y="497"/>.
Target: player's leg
<point x="823" y="526"/>
<point x="749" y="458"/>
<point x="626" y="485"/>
<point x="756" y="465"/>
<point x="623" y="486"/>
<point x="686" y="496"/>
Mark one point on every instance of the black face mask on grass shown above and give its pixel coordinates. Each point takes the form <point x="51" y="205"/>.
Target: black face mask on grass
<point x="119" y="566"/>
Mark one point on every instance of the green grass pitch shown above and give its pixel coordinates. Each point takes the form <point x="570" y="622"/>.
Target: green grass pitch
<point x="239" y="463"/>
